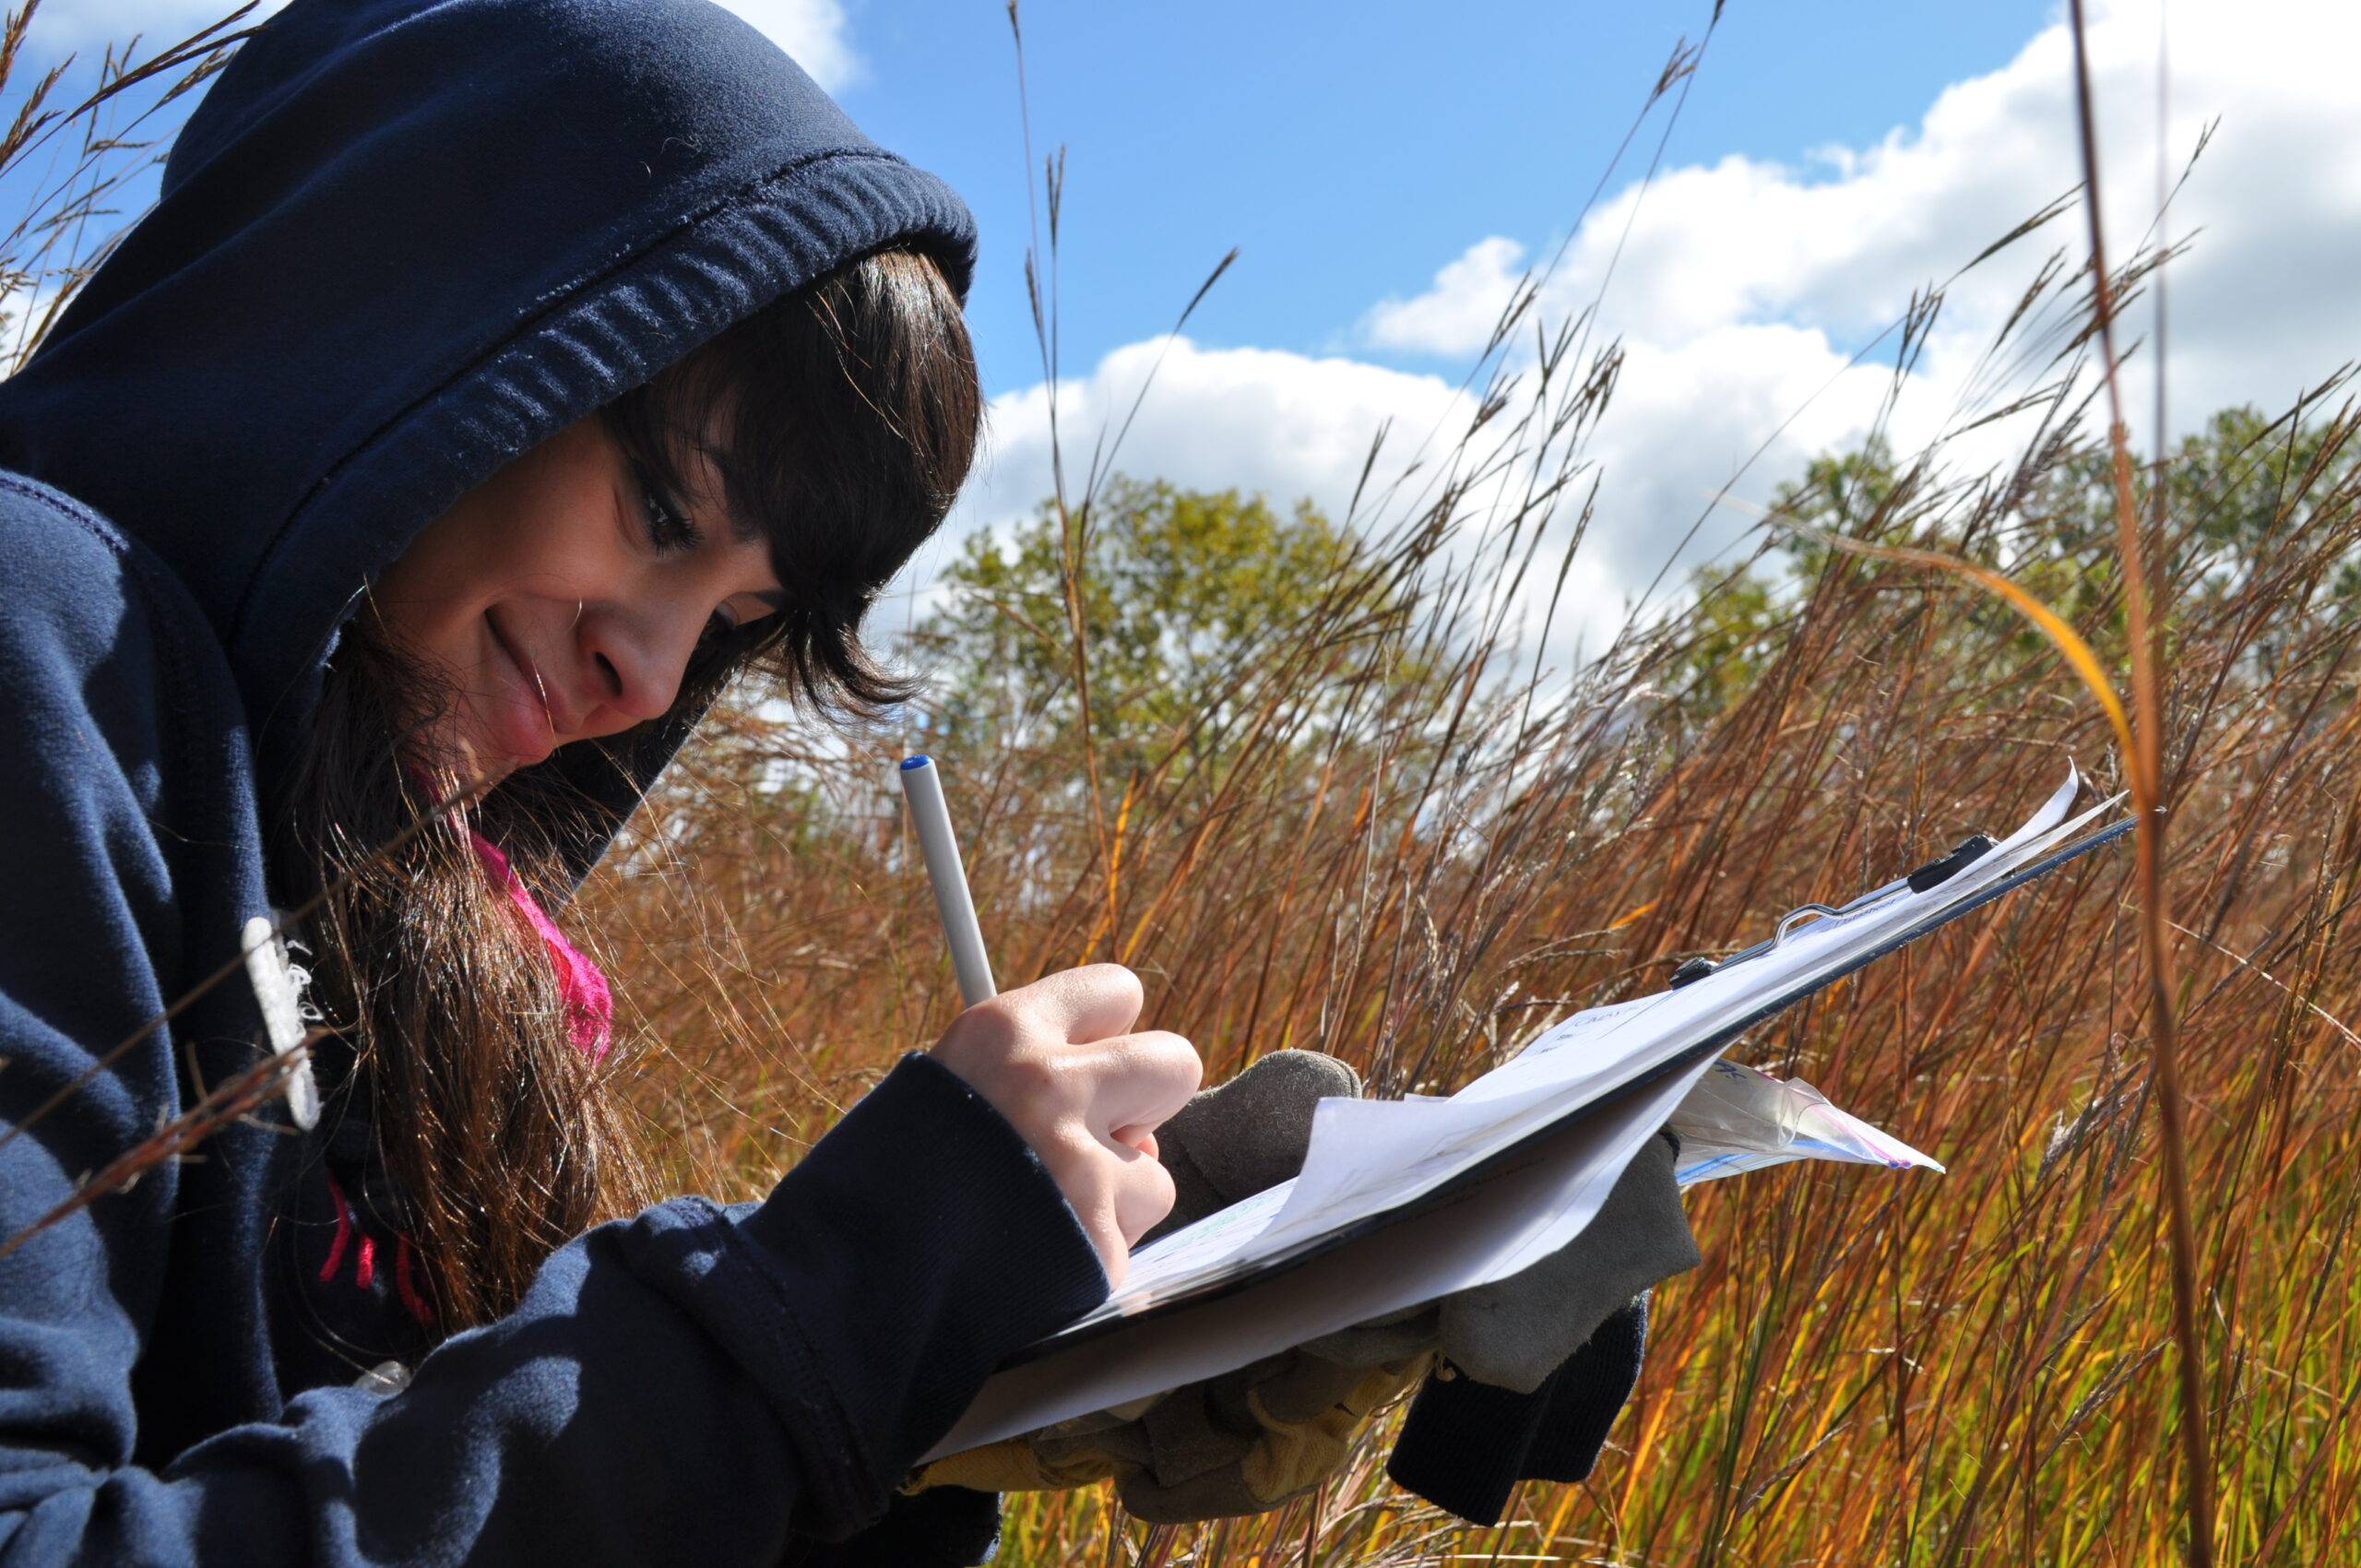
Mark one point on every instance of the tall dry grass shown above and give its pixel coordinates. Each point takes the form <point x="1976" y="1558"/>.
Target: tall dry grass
<point x="1399" y="835"/>
<point x="1415" y="843"/>
<point x="1868" y="1368"/>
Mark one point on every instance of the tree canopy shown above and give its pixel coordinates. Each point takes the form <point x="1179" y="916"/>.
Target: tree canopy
<point x="2236" y="489"/>
<point x="1184" y="599"/>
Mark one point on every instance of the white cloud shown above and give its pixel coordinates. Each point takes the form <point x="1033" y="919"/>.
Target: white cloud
<point x="1741" y="286"/>
<point x="816" y="32"/>
<point x="1688" y="416"/>
<point x="1292" y="426"/>
<point x="2261" y="306"/>
<point x="1285" y="424"/>
<point x="83" y="25"/>
<point x="1457" y="314"/>
<point x="1253" y="418"/>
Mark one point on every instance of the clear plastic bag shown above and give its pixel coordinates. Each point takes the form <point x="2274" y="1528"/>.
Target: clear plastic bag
<point x="1739" y="1119"/>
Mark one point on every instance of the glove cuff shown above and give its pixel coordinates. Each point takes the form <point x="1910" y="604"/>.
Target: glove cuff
<point x="1465" y="1444"/>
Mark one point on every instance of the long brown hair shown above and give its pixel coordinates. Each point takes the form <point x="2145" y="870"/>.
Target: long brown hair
<point x="842" y="420"/>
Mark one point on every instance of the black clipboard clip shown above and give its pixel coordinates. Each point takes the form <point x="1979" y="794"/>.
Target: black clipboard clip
<point x="1934" y="874"/>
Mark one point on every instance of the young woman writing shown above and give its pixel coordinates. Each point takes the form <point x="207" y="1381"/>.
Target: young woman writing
<point x="490" y="380"/>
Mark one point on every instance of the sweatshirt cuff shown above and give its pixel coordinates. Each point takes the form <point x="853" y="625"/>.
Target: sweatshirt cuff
<point x="917" y="1245"/>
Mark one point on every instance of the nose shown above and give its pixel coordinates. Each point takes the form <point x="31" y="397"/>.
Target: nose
<point x="637" y="656"/>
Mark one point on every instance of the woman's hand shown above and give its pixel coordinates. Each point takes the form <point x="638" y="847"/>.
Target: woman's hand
<point x="1055" y="1058"/>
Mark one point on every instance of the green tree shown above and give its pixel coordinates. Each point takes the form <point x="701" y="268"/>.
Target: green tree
<point x="2237" y="490"/>
<point x="1186" y="598"/>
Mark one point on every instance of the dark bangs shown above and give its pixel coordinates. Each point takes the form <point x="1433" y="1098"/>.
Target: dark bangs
<point x="842" y="420"/>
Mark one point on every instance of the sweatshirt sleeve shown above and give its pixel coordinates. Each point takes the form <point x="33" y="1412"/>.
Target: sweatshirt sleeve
<point x="689" y="1385"/>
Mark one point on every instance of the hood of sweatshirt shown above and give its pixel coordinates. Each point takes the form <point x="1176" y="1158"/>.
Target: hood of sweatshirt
<point x="401" y="241"/>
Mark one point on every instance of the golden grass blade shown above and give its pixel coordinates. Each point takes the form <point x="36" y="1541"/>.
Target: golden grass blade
<point x="2078" y="653"/>
<point x="2145" y="764"/>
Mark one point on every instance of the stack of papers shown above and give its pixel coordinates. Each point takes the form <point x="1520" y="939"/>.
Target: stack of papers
<point x="1402" y="1202"/>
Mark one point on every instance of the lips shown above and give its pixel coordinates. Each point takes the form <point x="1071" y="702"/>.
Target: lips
<point x="530" y="721"/>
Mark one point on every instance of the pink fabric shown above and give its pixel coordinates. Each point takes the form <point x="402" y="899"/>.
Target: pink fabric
<point x="589" y="1006"/>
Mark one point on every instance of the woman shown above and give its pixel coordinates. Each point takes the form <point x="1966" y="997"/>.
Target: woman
<point x="492" y="377"/>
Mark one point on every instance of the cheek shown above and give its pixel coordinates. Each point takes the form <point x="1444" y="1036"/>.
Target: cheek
<point x="522" y="542"/>
<point x="558" y="538"/>
<point x="436" y="586"/>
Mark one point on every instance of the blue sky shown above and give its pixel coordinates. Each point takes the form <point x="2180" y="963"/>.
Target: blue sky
<point x="1350" y="149"/>
<point x="1346" y="148"/>
<point x="1387" y="171"/>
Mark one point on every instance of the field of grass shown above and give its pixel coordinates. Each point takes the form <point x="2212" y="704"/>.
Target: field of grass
<point x="1391" y="835"/>
<point x="1389" y="829"/>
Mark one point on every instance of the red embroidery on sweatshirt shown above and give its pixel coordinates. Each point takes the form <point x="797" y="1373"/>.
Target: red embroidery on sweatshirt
<point x="418" y="1305"/>
<point x="343" y="1232"/>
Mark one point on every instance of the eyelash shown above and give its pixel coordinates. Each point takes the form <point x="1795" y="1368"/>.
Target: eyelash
<point x="667" y="528"/>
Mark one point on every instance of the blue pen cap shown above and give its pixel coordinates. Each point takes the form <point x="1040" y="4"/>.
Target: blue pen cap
<point x="918" y="761"/>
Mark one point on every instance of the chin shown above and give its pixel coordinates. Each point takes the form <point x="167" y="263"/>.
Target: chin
<point x="468" y="757"/>
<point x="494" y="764"/>
<point x="496" y="738"/>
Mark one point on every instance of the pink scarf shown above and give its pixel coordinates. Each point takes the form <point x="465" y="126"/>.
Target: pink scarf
<point x="590" y="1006"/>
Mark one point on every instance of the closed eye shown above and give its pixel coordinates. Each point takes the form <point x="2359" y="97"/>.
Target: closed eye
<point x="742" y="610"/>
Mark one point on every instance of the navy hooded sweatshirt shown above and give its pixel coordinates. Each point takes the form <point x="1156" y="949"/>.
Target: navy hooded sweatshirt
<point x="399" y="243"/>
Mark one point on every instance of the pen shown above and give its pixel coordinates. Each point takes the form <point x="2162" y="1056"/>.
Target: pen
<point x="922" y="785"/>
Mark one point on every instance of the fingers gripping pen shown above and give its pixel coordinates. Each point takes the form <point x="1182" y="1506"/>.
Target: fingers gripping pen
<point x="922" y="784"/>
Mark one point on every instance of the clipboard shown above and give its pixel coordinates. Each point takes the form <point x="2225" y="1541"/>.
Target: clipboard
<point x="1505" y="1206"/>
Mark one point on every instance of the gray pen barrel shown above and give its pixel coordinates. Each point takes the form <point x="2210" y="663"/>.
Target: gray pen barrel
<point x="922" y="785"/>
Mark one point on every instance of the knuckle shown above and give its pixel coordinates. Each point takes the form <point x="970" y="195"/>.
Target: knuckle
<point x="1114" y="980"/>
<point x="982" y="1034"/>
<point x="1002" y="1020"/>
<point x="1084" y="1172"/>
<point x="1169" y="1052"/>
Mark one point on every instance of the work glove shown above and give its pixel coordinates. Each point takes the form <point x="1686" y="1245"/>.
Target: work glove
<point x="1513" y="1385"/>
<point x="1540" y="1364"/>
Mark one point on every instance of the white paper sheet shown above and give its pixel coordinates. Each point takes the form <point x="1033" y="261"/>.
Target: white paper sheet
<point x="1739" y="1119"/>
